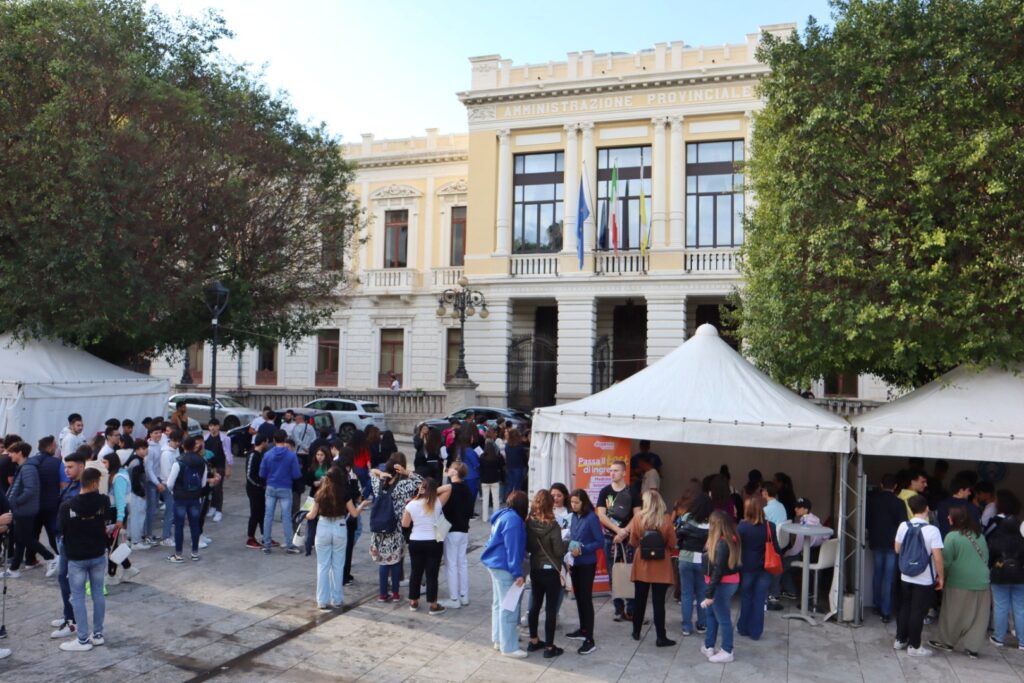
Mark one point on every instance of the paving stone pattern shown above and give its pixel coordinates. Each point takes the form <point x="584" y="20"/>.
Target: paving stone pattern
<point x="238" y="615"/>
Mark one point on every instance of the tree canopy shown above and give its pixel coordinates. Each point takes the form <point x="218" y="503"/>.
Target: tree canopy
<point x="139" y="165"/>
<point x="887" y="165"/>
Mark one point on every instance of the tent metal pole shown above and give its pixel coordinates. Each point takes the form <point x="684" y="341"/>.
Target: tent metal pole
<point x="841" y="535"/>
<point x="858" y="557"/>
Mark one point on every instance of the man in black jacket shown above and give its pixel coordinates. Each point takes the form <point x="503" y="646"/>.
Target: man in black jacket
<point x="256" y="490"/>
<point x="884" y="514"/>
<point x="83" y="522"/>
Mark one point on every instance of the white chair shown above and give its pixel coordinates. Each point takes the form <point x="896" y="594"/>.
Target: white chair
<point x="826" y="560"/>
<point x="782" y="534"/>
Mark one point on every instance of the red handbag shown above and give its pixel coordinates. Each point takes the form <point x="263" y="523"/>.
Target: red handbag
<point x="772" y="559"/>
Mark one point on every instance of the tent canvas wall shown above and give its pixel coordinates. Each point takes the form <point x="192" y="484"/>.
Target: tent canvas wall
<point x="42" y="382"/>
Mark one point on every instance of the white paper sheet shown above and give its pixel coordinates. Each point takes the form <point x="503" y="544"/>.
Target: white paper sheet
<point x="510" y="602"/>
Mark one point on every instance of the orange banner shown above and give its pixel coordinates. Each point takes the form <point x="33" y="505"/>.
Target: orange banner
<point x="594" y="455"/>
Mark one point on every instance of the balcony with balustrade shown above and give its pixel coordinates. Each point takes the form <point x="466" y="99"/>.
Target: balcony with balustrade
<point x="717" y="262"/>
<point x="533" y="265"/>
<point x="390" y="281"/>
<point x="443" y="278"/>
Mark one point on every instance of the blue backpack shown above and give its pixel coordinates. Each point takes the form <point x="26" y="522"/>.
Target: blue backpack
<point x="915" y="558"/>
<point x="382" y="514"/>
<point x="189" y="484"/>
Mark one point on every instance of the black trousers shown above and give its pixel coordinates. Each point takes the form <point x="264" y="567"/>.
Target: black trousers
<point x="658" y="592"/>
<point x="46" y="519"/>
<point x="425" y="557"/>
<point x="257" y="508"/>
<point x="583" y="588"/>
<point x="545" y="587"/>
<point x="350" y="546"/>
<point x="27" y="541"/>
<point x="217" y="502"/>
<point x="914" y="603"/>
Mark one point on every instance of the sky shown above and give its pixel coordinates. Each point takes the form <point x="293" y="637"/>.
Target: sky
<point x="393" y="67"/>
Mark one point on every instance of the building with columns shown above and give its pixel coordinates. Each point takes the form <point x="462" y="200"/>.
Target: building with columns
<point x="573" y="305"/>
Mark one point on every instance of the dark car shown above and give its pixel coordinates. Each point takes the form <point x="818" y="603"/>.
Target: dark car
<point x="483" y="414"/>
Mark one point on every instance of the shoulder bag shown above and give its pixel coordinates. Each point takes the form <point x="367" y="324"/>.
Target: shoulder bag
<point x="441" y="524"/>
<point x="622" y="575"/>
<point x="772" y="560"/>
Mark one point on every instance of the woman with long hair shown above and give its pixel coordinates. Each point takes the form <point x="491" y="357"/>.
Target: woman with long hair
<point x="361" y="461"/>
<point x="429" y="456"/>
<point x="966" y="600"/>
<point x="319" y="463"/>
<point x="692" y="536"/>
<point x="465" y="451"/>
<point x="343" y="458"/>
<point x="422" y="514"/>
<point x="503" y="558"/>
<point x="517" y="455"/>
<point x="332" y="506"/>
<point x="721" y="495"/>
<point x="544" y="541"/>
<point x="754" y="532"/>
<point x="722" y="579"/>
<point x="387" y="548"/>
<point x="560" y="507"/>
<point x="585" y="539"/>
<point x="653" y="534"/>
<point x="458" y="511"/>
<point x="120" y="487"/>
<point x="492" y="473"/>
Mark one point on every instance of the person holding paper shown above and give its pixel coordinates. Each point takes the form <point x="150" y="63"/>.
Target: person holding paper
<point x="503" y="558"/>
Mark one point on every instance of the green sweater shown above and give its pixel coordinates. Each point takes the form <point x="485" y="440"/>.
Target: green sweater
<point x="965" y="568"/>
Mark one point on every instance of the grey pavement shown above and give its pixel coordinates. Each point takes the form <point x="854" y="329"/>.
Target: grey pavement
<point x="238" y="615"/>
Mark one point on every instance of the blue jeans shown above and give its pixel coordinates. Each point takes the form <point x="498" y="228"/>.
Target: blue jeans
<point x="754" y="584"/>
<point x="514" y="479"/>
<point x="720" y="618"/>
<point x="881" y="582"/>
<point x="474" y="488"/>
<point x="186" y="508"/>
<point x="152" y="503"/>
<point x="310" y="535"/>
<point x="392" y="572"/>
<point x="610" y="551"/>
<point x="363" y="475"/>
<point x="504" y="624"/>
<point x="331" y="540"/>
<point x="273" y="497"/>
<point x="94" y="571"/>
<point x="1007" y="597"/>
<point x="691" y="587"/>
<point x="62" y="581"/>
<point x="136" y="517"/>
<point x="168" y="499"/>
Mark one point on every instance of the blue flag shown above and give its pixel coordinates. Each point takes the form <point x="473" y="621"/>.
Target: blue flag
<point x="582" y="214"/>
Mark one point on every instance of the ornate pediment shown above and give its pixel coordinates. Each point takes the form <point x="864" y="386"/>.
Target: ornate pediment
<point x="395" y="192"/>
<point x="459" y="186"/>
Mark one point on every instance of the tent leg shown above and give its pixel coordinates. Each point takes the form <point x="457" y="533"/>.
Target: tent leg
<point x="858" y="556"/>
<point x="844" y="463"/>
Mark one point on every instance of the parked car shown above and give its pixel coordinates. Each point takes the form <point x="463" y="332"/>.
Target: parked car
<point x="484" y="414"/>
<point x="230" y="412"/>
<point x="350" y="414"/>
<point x="317" y="418"/>
<point x="241" y="439"/>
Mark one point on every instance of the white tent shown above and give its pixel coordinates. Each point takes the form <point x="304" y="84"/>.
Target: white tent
<point x="963" y="415"/>
<point x="703" y="392"/>
<point x="43" y="382"/>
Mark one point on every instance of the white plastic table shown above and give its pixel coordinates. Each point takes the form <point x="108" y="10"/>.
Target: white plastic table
<point x="810" y="532"/>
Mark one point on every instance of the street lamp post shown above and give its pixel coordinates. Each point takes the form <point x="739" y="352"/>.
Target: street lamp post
<point x="216" y="300"/>
<point x="463" y="303"/>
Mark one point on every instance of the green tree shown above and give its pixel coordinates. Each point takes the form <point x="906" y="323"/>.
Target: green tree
<point x="887" y="165"/>
<point x="139" y="165"/>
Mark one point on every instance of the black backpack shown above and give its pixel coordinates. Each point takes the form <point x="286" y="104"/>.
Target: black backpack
<point x="189" y="484"/>
<point x="382" y="513"/>
<point x="652" y="545"/>
<point x="137" y="476"/>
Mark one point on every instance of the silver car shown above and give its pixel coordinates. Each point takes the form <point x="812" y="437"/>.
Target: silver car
<point x="230" y="412"/>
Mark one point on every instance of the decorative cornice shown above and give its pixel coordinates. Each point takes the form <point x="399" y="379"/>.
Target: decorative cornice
<point x="395" y="192"/>
<point x="411" y="158"/>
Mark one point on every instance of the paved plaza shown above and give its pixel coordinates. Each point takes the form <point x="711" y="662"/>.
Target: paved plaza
<point x="239" y="615"/>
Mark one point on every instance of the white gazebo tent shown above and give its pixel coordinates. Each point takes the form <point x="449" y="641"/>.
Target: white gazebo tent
<point x="964" y="415"/>
<point x="42" y="382"/>
<point x="703" y="392"/>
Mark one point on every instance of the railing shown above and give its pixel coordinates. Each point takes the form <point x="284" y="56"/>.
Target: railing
<point x="266" y="377"/>
<point x="390" y="280"/>
<point x="723" y="260"/>
<point x="534" y="265"/>
<point x="414" y="405"/>
<point x="846" y="407"/>
<point x="626" y="263"/>
<point x="447" y="277"/>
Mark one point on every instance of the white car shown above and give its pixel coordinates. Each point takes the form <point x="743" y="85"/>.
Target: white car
<point x="350" y="415"/>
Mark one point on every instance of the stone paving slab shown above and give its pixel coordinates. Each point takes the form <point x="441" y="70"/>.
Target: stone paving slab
<point x="238" y="615"/>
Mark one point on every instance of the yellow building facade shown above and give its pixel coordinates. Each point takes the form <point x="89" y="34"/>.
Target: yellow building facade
<point x="573" y="304"/>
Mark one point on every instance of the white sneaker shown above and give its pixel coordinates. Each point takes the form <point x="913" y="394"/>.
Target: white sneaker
<point x="451" y="604"/>
<point x="57" y="622"/>
<point x="141" y="545"/>
<point x="204" y="537"/>
<point x="130" y="573"/>
<point x="10" y="574"/>
<point x="4" y="653"/>
<point x="51" y="568"/>
<point x="203" y="543"/>
<point x="218" y="516"/>
<point x="516" y="654"/>
<point x="496" y="646"/>
<point x="899" y="645"/>
<point x="74" y="645"/>
<point x="167" y="542"/>
<point x="919" y="651"/>
<point x="721" y="657"/>
<point x="464" y="600"/>
<point x="708" y="652"/>
<point x="64" y="629"/>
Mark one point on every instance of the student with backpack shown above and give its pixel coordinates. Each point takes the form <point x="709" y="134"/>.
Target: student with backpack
<point x="135" y="466"/>
<point x="653" y="535"/>
<point x="1006" y="567"/>
<point x="392" y="490"/>
<point x="919" y="553"/>
<point x="187" y="480"/>
<point x="547" y="548"/>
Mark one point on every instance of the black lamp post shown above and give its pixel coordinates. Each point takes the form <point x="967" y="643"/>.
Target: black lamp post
<point x="463" y="302"/>
<point x="186" y="370"/>
<point x="216" y="300"/>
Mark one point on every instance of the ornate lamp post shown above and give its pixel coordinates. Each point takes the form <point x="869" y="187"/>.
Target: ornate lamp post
<point x="460" y="304"/>
<point x="216" y="300"/>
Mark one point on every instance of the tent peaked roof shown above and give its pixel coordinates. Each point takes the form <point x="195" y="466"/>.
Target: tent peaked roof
<point x="963" y="415"/>
<point x="702" y="392"/>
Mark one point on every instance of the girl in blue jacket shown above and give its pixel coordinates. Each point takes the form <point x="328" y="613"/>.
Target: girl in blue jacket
<point x="585" y="538"/>
<point x="503" y="558"/>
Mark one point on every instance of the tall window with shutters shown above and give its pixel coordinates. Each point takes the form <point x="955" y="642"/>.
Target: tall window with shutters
<point x="458" y="255"/>
<point x="396" y="238"/>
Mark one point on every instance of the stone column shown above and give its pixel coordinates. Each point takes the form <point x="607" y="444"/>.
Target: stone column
<point x="659" y="185"/>
<point x="428" y="226"/>
<point x="571" y="190"/>
<point x="677" y="192"/>
<point x="666" y="325"/>
<point x="589" y="184"/>
<point x="487" y="348"/>
<point x="577" y="332"/>
<point x="504" y="211"/>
